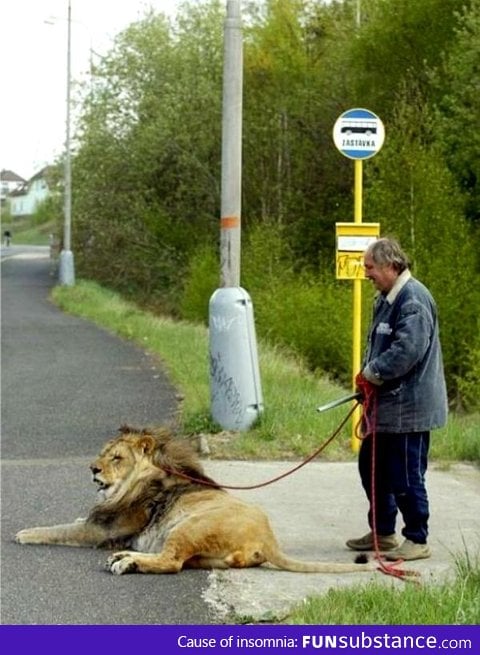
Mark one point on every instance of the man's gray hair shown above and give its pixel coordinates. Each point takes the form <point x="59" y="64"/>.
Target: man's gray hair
<point x="386" y="252"/>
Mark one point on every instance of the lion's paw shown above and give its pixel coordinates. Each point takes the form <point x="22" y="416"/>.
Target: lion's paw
<point x="120" y="563"/>
<point x="26" y="536"/>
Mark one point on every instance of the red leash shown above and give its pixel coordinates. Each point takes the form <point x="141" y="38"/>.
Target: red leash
<point x="369" y="394"/>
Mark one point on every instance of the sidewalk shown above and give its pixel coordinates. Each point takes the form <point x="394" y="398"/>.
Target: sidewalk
<point x="314" y="511"/>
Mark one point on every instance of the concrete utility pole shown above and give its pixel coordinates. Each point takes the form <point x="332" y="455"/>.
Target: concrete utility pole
<point x="236" y="395"/>
<point x="230" y="222"/>
<point x="67" y="270"/>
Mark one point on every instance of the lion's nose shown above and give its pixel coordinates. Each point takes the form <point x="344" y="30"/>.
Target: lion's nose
<point x="94" y="469"/>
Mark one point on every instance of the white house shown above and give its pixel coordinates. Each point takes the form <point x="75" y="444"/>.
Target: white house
<point x="25" y="200"/>
<point x="9" y="181"/>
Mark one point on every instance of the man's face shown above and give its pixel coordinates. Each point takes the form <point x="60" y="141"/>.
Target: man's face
<point x="383" y="277"/>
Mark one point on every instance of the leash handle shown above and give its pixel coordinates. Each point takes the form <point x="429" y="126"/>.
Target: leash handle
<point x="340" y="401"/>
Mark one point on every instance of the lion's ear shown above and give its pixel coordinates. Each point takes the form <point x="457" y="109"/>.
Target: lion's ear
<point x="147" y="444"/>
<point x="128" y="429"/>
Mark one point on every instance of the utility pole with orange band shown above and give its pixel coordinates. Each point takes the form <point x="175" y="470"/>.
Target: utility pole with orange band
<point x="236" y="394"/>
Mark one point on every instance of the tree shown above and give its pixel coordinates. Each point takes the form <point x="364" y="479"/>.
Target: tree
<point x="148" y="166"/>
<point x="459" y="111"/>
<point x="399" y="40"/>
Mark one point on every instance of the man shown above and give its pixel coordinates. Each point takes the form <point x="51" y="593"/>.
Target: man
<point x="403" y="366"/>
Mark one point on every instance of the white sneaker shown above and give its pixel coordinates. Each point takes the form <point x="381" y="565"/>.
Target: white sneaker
<point x="409" y="550"/>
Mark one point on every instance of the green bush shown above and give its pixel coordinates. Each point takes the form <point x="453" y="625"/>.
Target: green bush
<point x="469" y="385"/>
<point x="48" y="211"/>
<point x="201" y="282"/>
<point x="312" y="318"/>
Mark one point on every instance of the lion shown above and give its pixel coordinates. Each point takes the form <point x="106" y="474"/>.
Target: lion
<point x="156" y="505"/>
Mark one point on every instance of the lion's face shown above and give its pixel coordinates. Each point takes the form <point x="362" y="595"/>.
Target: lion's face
<point x="122" y="460"/>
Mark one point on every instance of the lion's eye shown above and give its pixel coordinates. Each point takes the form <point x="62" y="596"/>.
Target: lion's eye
<point x="116" y="458"/>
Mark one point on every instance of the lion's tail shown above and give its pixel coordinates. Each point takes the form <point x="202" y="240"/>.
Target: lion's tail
<point x="285" y="563"/>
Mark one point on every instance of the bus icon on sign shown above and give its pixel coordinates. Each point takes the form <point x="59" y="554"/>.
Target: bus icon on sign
<point x="359" y="127"/>
<point x="358" y="133"/>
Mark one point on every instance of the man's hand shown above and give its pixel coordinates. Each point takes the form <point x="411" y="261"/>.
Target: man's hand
<point x="364" y="386"/>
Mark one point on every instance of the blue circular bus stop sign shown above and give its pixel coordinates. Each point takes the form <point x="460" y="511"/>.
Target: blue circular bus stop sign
<point x="358" y="134"/>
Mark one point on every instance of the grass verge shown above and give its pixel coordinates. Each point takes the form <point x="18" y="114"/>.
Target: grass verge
<point x="25" y="233"/>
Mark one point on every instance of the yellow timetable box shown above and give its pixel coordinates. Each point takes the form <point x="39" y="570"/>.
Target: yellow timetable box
<point x="352" y="240"/>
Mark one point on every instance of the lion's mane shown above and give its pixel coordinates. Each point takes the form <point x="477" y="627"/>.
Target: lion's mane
<point x="175" y="470"/>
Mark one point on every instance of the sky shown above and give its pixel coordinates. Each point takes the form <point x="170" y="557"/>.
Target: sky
<point x="34" y="69"/>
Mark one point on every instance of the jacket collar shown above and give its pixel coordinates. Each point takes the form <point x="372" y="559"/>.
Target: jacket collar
<point x="400" y="282"/>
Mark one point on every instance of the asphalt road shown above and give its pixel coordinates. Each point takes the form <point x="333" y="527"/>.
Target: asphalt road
<point x="67" y="386"/>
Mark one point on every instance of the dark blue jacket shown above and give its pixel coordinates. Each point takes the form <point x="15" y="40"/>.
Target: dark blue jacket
<point x="404" y="358"/>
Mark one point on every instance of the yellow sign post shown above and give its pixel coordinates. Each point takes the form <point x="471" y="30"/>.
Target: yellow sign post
<point x="352" y="240"/>
<point x="359" y="135"/>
